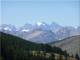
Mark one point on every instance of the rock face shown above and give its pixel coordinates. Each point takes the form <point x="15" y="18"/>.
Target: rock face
<point x="71" y="45"/>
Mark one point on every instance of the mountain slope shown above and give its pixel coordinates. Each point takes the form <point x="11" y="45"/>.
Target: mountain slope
<point x="71" y="45"/>
<point x="14" y="48"/>
<point x="40" y="36"/>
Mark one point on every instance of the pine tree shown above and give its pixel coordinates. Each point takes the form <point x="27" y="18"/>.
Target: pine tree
<point x="77" y="57"/>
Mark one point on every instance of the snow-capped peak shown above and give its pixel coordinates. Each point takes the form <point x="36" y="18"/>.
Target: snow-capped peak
<point x="40" y="23"/>
<point x="7" y="28"/>
<point x="25" y="30"/>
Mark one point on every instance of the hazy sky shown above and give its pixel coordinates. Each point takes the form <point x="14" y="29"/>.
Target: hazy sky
<point x="19" y="12"/>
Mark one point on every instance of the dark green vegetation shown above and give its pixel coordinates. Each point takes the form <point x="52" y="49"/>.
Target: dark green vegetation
<point x="14" y="48"/>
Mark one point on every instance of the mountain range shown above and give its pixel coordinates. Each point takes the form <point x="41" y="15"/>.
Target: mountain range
<point x="41" y="32"/>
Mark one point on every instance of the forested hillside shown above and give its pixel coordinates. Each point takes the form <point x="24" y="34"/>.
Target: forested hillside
<point x="14" y="48"/>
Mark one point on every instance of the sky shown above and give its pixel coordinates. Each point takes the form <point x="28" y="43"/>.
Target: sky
<point x="20" y="12"/>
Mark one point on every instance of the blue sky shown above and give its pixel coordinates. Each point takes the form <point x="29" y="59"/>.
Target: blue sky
<point x="20" y="12"/>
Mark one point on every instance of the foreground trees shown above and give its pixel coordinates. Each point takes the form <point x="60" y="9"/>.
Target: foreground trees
<point x="77" y="57"/>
